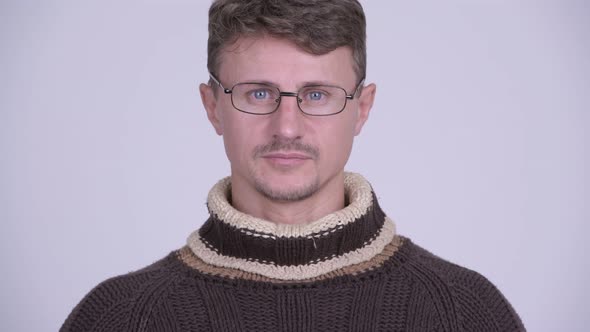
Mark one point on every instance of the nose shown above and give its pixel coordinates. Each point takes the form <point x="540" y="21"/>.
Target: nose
<point x="288" y="121"/>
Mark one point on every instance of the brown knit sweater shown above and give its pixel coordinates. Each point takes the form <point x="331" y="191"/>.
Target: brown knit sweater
<point x="348" y="271"/>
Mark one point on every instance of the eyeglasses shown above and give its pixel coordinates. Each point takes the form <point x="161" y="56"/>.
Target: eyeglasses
<point x="261" y="98"/>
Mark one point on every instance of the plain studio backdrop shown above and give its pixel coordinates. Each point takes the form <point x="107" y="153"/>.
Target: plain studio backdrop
<point x="477" y="145"/>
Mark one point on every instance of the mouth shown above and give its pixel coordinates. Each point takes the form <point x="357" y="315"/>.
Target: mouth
<point x="286" y="158"/>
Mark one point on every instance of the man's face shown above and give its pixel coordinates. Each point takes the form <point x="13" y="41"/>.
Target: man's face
<point x="286" y="155"/>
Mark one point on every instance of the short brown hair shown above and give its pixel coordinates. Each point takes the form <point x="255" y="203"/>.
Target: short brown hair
<point x="316" y="26"/>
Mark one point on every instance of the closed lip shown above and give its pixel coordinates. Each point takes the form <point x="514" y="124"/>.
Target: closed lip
<point x="286" y="155"/>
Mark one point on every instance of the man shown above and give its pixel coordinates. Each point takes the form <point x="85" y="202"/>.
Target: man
<point x="293" y="243"/>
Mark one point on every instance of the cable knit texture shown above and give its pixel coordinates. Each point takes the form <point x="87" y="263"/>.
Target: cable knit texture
<point x="348" y="271"/>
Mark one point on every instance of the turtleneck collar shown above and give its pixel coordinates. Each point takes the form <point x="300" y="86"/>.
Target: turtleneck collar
<point x="232" y="239"/>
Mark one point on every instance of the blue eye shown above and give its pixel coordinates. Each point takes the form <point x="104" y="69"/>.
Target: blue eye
<point x="316" y="95"/>
<point x="260" y="94"/>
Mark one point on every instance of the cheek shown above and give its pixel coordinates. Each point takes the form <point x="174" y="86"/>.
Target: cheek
<point x="239" y="138"/>
<point x="337" y="141"/>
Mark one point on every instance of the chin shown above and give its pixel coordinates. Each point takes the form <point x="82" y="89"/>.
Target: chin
<point x="287" y="187"/>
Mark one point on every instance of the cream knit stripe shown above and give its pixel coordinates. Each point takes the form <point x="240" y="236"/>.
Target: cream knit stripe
<point x="295" y="272"/>
<point x="357" y="189"/>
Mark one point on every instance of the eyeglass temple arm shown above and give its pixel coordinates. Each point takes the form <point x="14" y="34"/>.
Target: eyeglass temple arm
<point x="219" y="83"/>
<point x="356" y="90"/>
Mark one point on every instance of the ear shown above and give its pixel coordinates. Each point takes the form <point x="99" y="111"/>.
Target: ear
<point x="366" y="99"/>
<point x="210" y="103"/>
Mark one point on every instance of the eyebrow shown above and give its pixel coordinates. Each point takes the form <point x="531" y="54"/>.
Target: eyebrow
<point x="302" y="84"/>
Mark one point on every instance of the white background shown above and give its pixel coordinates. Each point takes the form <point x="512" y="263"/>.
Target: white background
<point x="477" y="145"/>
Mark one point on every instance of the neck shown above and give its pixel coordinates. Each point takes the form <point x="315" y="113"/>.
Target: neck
<point x="329" y="198"/>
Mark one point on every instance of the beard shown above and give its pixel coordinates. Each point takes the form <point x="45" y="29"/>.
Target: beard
<point x="295" y="193"/>
<point x="287" y="195"/>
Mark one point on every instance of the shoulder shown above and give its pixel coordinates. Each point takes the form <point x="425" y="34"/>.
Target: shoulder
<point x="475" y="303"/>
<point x="110" y="303"/>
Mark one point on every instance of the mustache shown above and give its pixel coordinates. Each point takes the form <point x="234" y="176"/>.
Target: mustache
<point x="286" y="145"/>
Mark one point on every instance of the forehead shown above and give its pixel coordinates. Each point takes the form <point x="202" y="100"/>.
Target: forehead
<point x="282" y="62"/>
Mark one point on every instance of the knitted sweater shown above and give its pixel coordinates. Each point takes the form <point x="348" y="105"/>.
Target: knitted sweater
<point x="348" y="271"/>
